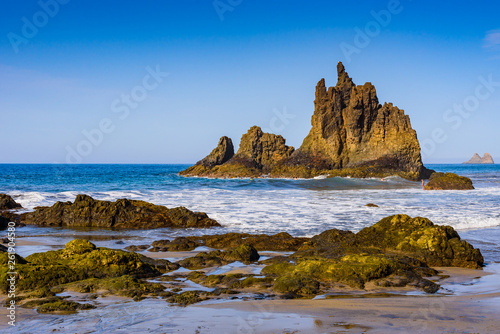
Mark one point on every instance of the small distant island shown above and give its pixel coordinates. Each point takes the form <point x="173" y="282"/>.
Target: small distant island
<point x="476" y="159"/>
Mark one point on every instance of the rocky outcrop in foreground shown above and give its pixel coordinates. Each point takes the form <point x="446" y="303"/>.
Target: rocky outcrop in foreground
<point x="8" y="203"/>
<point x="352" y="134"/>
<point x="124" y="213"/>
<point x="448" y="181"/>
<point x="396" y="252"/>
<point x="476" y="159"/>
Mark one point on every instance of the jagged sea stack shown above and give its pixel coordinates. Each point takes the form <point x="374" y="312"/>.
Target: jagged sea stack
<point x="352" y="134"/>
<point x="258" y="154"/>
<point x="351" y="130"/>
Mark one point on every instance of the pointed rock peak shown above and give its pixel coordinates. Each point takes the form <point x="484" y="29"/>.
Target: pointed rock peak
<point x="343" y="76"/>
<point x="255" y="129"/>
<point x="340" y="69"/>
<point x="219" y="155"/>
<point x="321" y="83"/>
<point x="476" y="159"/>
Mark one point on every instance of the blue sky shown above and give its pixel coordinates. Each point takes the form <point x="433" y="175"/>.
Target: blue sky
<point x="162" y="81"/>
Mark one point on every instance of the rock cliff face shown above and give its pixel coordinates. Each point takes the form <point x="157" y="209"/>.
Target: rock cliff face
<point x="124" y="213"/>
<point x="352" y="134"/>
<point x="258" y="153"/>
<point x="476" y="159"/>
<point x="222" y="153"/>
<point x="351" y="129"/>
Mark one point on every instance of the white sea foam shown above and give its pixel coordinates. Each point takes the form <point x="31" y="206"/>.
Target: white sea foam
<point x="308" y="212"/>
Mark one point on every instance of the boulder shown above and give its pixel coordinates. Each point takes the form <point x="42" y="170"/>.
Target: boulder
<point x="244" y="253"/>
<point x="448" y="181"/>
<point x="7" y="203"/>
<point x="421" y="239"/>
<point x="124" y="213"/>
<point x="86" y="268"/>
<point x="179" y="244"/>
<point x="276" y="242"/>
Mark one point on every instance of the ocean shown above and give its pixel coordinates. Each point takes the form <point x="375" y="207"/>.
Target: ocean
<point x="303" y="207"/>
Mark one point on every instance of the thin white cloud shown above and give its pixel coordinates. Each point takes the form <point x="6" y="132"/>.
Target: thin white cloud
<point x="492" y="39"/>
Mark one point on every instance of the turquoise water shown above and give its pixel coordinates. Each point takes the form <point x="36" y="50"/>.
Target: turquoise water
<point x="300" y="207"/>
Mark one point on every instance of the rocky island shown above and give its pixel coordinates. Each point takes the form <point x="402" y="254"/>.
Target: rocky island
<point x="352" y="134"/>
<point x="476" y="159"/>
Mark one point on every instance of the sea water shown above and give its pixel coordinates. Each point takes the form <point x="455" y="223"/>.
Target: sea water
<point x="302" y="207"/>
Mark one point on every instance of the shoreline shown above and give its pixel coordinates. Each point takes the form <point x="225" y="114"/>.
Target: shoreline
<point x="475" y="309"/>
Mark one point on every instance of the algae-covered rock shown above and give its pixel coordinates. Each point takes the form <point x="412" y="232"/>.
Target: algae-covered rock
<point x="126" y="285"/>
<point x="179" y="244"/>
<point x="353" y="270"/>
<point x="187" y="298"/>
<point x="65" y="306"/>
<point x="124" y="213"/>
<point x="276" y="242"/>
<point x="297" y="285"/>
<point x="448" y="181"/>
<point x="244" y="253"/>
<point x="56" y="305"/>
<point x="420" y="238"/>
<point x="137" y="248"/>
<point x="78" y="261"/>
<point x="203" y="260"/>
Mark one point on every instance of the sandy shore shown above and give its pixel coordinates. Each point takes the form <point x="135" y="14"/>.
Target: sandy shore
<point x="464" y="314"/>
<point x="474" y="309"/>
<point x="472" y="306"/>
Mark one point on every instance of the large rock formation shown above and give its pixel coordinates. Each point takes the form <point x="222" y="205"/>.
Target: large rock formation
<point x="476" y="159"/>
<point x="352" y="134"/>
<point x="124" y="213"/>
<point x="352" y="130"/>
<point x="258" y="153"/>
<point x="222" y="153"/>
